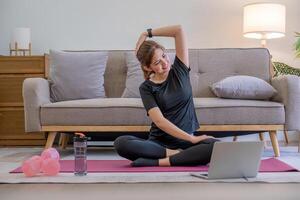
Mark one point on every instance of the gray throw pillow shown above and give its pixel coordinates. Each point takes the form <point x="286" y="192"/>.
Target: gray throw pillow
<point x="135" y="76"/>
<point x="243" y="87"/>
<point x="77" y="75"/>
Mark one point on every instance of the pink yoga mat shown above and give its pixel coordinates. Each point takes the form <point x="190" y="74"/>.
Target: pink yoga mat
<point x="102" y="166"/>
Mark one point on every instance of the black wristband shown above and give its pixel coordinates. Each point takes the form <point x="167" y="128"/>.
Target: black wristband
<point x="149" y="31"/>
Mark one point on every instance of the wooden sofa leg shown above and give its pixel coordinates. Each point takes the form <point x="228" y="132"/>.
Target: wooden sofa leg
<point x="60" y="139"/>
<point x="286" y="137"/>
<point x="50" y="139"/>
<point x="274" y="142"/>
<point x="64" y="140"/>
<point x="235" y="138"/>
<point x="299" y="144"/>
<point x="262" y="138"/>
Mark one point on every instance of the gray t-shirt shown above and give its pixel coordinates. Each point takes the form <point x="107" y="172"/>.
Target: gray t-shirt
<point x="174" y="98"/>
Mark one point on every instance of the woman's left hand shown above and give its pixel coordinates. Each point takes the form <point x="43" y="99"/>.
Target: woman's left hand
<point x="196" y="139"/>
<point x="140" y="41"/>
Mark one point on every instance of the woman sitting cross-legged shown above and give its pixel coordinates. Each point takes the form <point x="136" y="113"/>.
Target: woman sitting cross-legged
<point x="167" y="97"/>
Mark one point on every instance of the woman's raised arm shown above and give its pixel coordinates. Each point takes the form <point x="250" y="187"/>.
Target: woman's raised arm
<point x="177" y="33"/>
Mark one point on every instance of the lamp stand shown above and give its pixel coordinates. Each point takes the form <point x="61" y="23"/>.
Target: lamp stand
<point x="18" y="51"/>
<point x="263" y="43"/>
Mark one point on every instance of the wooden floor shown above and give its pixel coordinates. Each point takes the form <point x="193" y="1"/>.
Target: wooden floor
<point x="174" y="191"/>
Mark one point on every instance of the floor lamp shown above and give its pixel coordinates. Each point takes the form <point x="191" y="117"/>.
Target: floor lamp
<point x="264" y="21"/>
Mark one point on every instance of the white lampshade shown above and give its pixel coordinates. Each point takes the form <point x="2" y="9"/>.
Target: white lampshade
<point x="264" y="20"/>
<point x="21" y="36"/>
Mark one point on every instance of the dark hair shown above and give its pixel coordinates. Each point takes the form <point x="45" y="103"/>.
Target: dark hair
<point x="145" y="54"/>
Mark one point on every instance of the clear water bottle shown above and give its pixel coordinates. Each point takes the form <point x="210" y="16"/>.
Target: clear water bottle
<point x="80" y="154"/>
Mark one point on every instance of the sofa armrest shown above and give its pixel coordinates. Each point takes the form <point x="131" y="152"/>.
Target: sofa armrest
<point x="288" y="88"/>
<point x="36" y="92"/>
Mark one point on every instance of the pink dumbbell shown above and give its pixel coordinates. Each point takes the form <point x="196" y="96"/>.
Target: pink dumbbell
<point x="32" y="166"/>
<point x="50" y="153"/>
<point x="50" y="167"/>
<point x="48" y="163"/>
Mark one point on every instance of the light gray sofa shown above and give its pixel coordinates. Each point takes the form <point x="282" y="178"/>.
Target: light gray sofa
<point x="214" y="114"/>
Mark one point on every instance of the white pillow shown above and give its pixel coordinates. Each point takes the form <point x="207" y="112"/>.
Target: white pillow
<point x="77" y="75"/>
<point x="243" y="87"/>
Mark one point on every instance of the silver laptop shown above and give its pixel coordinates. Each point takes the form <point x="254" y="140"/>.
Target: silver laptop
<point x="234" y="160"/>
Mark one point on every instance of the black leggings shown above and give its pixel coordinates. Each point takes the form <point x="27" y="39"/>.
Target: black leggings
<point x="132" y="148"/>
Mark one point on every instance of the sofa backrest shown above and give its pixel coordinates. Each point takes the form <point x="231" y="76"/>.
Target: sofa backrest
<point x="115" y="73"/>
<point x="207" y="67"/>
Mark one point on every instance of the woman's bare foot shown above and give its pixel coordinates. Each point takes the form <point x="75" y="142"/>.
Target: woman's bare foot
<point x="164" y="162"/>
<point x="171" y="152"/>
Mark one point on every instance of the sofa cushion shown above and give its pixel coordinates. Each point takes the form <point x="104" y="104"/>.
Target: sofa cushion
<point x="98" y="111"/>
<point x="76" y="75"/>
<point x="220" y="111"/>
<point x="243" y="87"/>
<point x="130" y="111"/>
<point x="135" y="75"/>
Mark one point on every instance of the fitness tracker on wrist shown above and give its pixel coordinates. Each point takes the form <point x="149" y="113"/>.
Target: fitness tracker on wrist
<point x="149" y="31"/>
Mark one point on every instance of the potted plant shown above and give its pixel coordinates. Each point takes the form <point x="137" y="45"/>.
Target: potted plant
<point x="297" y="45"/>
<point x="282" y="68"/>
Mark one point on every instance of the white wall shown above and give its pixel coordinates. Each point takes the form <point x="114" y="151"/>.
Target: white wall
<point x="116" y="24"/>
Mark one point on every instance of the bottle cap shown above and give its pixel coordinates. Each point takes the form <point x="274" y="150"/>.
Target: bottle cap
<point x="80" y="137"/>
